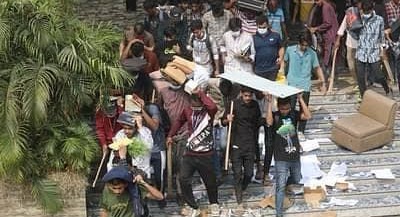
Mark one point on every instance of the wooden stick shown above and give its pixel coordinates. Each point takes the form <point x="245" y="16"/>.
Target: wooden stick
<point x="99" y="169"/>
<point x="228" y="141"/>
<point x="332" y="76"/>
<point x="169" y="171"/>
<point x="388" y="70"/>
<point x="153" y="96"/>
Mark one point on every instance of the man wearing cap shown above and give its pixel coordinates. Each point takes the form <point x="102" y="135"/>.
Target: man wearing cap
<point x="124" y="191"/>
<point x="132" y="126"/>
<point x="106" y="121"/>
<point x="198" y="155"/>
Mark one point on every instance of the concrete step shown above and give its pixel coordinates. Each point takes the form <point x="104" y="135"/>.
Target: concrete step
<point x="376" y="197"/>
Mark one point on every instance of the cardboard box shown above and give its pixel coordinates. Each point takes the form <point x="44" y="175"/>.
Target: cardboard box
<point x="342" y="186"/>
<point x="269" y="201"/>
<point x="314" y="196"/>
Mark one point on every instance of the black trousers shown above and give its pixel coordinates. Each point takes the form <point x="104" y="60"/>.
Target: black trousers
<point x="160" y="175"/>
<point x="375" y="74"/>
<point x="293" y="101"/>
<point x="242" y="166"/>
<point x="204" y="166"/>
<point x="269" y="150"/>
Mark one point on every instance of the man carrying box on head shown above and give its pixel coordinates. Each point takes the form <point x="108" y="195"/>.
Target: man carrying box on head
<point x="199" y="150"/>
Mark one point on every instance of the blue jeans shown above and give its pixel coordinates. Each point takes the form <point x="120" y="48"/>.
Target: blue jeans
<point x="286" y="173"/>
<point x="219" y="145"/>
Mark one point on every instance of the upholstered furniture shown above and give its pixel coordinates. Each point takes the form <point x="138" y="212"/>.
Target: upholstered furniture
<point x="370" y="128"/>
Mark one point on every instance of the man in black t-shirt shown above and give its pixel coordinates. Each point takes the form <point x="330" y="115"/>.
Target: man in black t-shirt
<point x="286" y="144"/>
<point x="246" y="119"/>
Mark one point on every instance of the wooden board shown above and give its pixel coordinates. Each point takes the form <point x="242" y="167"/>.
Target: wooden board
<point x="260" y="83"/>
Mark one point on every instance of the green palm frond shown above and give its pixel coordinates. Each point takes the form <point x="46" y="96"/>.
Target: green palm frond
<point x="13" y="148"/>
<point x="39" y="84"/>
<point x="47" y="193"/>
<point x="80" y="148"/>
<point x="70" y="58"/>
<point x="10" y="93"/>
<point x="5" y="35"/>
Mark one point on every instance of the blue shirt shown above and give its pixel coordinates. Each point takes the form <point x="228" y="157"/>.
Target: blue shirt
<point x="275" y="18"/>
<point x="267" y="52"/>
<point x="301" y="66"/>
<point x="159" y="134"/>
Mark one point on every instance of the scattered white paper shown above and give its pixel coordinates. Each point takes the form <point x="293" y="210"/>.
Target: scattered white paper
<point x="309" y="158"/>
<point x="312" y="131"/>
<point x="351" y="186"/>
<point x="362" y="174"/>
<point x="331" y="118"/>
<point x="313" y="183"/>
<point x="310" y="167"/>
<point x="340" y="202"/>
<point x="329" y="180"/>
<point x="338" y="169"/>
<point x="309" y="145"/>
<point x="323" y="140"/>
<point x="383" y="174"/>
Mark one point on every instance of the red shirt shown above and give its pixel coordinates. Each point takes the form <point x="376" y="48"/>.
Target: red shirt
<point x="186" y="116"/>
<point x="107" y="127"/>
<point x="152" y="62"/>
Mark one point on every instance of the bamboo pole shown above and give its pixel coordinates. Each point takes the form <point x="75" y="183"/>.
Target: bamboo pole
<point x="332" y="76"/>
<point x="99" y="169"/>
<point x="228" y="141"/>
<point x="169" y="170"/>
<point x="153" y="96"/>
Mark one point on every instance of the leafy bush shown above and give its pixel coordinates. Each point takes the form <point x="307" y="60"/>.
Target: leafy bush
<point x="51" y="66"/>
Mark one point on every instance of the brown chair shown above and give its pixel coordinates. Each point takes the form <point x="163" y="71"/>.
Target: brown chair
<point x="370" y="128"/>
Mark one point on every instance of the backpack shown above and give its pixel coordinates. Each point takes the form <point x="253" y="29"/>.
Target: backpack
<point x="208" y="45"/>
<point x="354" y="23"/>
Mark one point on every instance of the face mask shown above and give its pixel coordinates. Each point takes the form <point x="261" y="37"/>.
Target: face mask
<point x="366" y="16"/>
<point x="262" y="31"/>
<point x="236" y="34"/>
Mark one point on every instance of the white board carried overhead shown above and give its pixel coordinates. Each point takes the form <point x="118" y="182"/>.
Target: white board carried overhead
<point x="260" y="83"/>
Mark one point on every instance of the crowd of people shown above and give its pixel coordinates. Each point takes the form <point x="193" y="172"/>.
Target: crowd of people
<point x="192" y="124"/>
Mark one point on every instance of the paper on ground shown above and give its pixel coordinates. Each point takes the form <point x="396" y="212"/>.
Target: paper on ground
<point x="310" y="167"/>
<point x="338" y="169"/>
<point x="309" y="145"/>
<point x="260" y="83"/>
<point x="383" y="174"/>
<point x="323" y="140"/>
<point x="312" y="183"/>
<point x="331" y="181"/>
<point x="311" y="131"/>
<point x="339" y="202"/>
<point x="331" y="118"/>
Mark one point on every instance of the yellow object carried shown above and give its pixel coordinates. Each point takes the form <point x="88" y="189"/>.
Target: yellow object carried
<point x="121" y="142"/>
<point x="281" y="78"/>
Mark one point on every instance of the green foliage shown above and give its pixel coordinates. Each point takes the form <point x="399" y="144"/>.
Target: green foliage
<point x="51" y="66"/>
<point x="137" y="147"/>
<point x="47" y="193"/>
